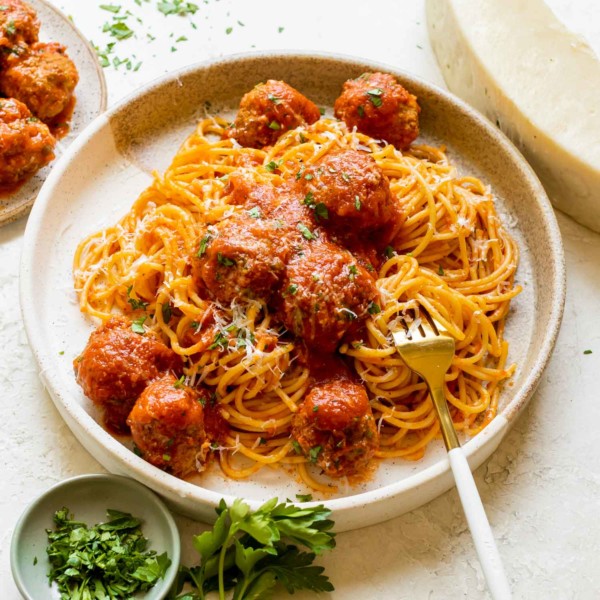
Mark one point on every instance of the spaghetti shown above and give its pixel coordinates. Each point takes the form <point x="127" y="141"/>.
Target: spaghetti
<point x="452" y="257"/>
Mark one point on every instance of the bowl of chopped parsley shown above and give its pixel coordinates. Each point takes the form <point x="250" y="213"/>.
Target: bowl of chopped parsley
<point x="95" y="536"/>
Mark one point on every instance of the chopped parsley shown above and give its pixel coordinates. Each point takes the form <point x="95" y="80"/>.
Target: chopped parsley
<point x="113" y="8"/>
<point x="440" y="270"/>
<point x="272" y="166"/>
<point x="357" y="203"/>
<point x="346" y="177"/>
<point x="274" y="99"/>
<point x="373" y="308"/>
<point x="306" y="232"/>
<point x="255" y="213"/>
<point x="206" y="239"/>
<point x="321" y="211"/>
<point x="274" y="125"/>
<point x="229" y="30"/>
<point x="177" y="7"/>
<point x="587" y="351"/>
<point x="313" y="453"/>
<point x="375" y="96"/>
<point x="224" y="260"/>
<point x="107" y="558"/>
<point x="353" y="271"/>
<point x="292" y="289"/>
<point x="166" y="312"/>
<point x="308" y="177"/>
<point x="118" y="30"/>
<point x="220" y="342"/>
<point x="361" y="111"/>
<point x="135" y="303"/>
<point x="389" y="251"/>
<point x="10" y="29"/>
<point x="137" y="326"/>
<point x="304" y="497"/>
<point x="179" y="383"/>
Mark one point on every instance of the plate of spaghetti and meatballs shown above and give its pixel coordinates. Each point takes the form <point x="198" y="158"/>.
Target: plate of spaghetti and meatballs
<point x="233" y="248"/>
<point x="51" y="87"/>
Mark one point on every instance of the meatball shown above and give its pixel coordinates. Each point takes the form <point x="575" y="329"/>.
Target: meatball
<point x="116" y="366"/>
<point x="43" y="78"/>
<point x="240" y="257"/>
<point x="269" y="110"/>
<point x="326" y="294"/>
<point x="355" y="193"/>
<point x="167" y="425"/>
<point x="335" y="428"/>
<point x="26" y="143"/>
<point x="18" y="24"/>
<point x="377" y="105"/>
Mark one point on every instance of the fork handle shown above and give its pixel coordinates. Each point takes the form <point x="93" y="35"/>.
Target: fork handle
<point x="481" y="532"/>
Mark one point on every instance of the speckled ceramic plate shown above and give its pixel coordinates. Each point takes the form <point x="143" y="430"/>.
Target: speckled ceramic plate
<point x="108" y="166"/>
<point x="90" y="96"/>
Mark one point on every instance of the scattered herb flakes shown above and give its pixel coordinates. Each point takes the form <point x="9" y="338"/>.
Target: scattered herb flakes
<point x="274" y="99"/>
<point x="206" y="239"/>
<point x="135" y="303"/>
<point x="166" y="312"/>
<point x="280" y="29"/>
<point x="361" y="111"/>
<point x="389" y="251"/>
<point x="357" y="203"/>
<point x="292" y="289"/>
<point x="255" y="213"/>
<point x="375" y="96"/>
<point x="177" y="7"/>
<point x="224" y="260"/>
<point x="113" y="8"/>
<point x="229" y="30"/>
<point x="373" y="308"/>
<point x="353" y="270"/>
<point x="181" y="38"/>
<point x="107" y="560"/>
<point x="274" y="125"/>
<point x="119" y="30"/>
<point x="35" y="561"/>
<point x="220" y="342"/>
<point x="304" y="497"/>
<point x="249" y="551"/>
<point x="306" y="232"/>
<point x="272" y="166"/>
<point x="61" y="353"/>
<point x="179" y="383"/>
<point x="137" y="326"/>
<point x="440" y="271"/>
<point x="313" y="453"/>
<point x="587" y="351"/>
<point x="321" y="211"/>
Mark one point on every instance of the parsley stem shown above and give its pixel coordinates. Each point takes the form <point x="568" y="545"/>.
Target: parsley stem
<point x="221" y="571"/>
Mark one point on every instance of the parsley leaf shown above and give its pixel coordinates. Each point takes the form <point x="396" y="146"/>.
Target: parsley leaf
<point x="249" y="551"/>
<point x="274" y="125"/>
<point x="206" y="239"/>
<point x="375" y="96"/>
<point x="373" y="308"/>
<point x="137" y="326"/>
<point x="177" y="7"/>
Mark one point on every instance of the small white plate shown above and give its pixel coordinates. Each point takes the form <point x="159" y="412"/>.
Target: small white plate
<point x="103" y="172"/>
<point x="90" y="95"/>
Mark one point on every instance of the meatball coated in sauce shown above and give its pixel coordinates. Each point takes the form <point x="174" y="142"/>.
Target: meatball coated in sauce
<point x="116" y="366"/>
<point x="167" y="425"/>
<point x="377" y="105"/>
<point x="325" y="295"/>
<point x="26" y="144"/>
<point x="268" y="111"/>
<point x="18" y="24"/>
<point x="240" y="257"/>
<point x="335" y="428"/>
<point x="356" y="193"/>
<point x="43" y="78"/>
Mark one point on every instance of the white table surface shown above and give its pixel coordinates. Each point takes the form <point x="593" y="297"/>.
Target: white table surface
<point x="541" y="487"/>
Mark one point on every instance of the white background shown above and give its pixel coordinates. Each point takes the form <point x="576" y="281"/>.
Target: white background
<point x="541" y="488"/>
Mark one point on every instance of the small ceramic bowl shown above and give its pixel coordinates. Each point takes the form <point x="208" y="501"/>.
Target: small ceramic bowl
<point x="87" y="497"/>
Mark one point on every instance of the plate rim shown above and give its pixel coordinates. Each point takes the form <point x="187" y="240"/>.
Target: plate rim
<point x="144" y="471"/>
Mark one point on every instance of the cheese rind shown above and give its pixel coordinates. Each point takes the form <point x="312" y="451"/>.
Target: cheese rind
<point x="516" y="63"/>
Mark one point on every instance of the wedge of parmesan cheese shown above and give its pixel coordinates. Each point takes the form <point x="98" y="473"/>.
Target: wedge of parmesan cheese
<point x="520" y="66"/>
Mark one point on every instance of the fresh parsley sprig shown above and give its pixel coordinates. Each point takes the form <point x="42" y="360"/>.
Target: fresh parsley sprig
<point x="248" y="551"/>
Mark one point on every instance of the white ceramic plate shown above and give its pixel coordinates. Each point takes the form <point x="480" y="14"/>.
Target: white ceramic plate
<point x="105" y="169"/>
<point x="90" y="96"/>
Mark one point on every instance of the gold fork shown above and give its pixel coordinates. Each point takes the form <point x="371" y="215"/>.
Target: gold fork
<point x="427" y="349"/>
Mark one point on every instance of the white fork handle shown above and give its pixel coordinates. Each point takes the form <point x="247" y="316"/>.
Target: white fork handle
<point x="485" y="544"/>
